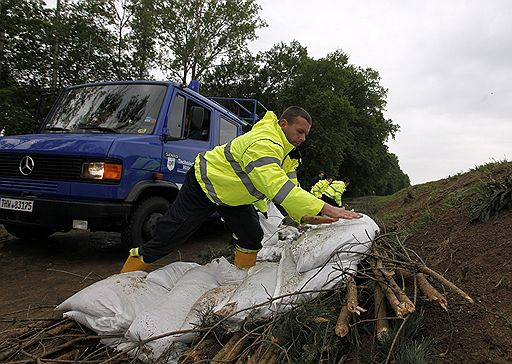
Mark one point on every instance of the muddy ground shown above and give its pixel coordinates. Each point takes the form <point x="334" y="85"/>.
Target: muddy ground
<point x="475" y="255"/>
<point x="38" y="275"/>
<point x="478" y="258"/>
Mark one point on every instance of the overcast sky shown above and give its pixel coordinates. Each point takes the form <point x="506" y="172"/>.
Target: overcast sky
<point x="446" y="63"/>
<point x="447" y="66"/>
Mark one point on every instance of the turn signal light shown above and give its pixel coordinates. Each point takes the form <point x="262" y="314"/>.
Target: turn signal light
<point x="102" y="170"/>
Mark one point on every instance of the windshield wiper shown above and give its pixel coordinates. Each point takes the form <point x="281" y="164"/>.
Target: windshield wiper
<point x="100" y="128"/>
<point x="57" y="128"/>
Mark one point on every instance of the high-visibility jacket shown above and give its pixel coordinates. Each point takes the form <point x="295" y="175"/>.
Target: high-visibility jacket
<point x="290" y="165"/>
<point x="318" y="189"/>
<point x="250" y="168"/>
<point x="335" y="190"/>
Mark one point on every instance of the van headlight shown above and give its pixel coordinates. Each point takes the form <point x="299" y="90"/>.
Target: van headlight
<point x="102" y="170"/>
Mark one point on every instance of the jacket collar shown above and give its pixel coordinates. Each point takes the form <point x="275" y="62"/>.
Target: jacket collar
<point x="270" y="119"/>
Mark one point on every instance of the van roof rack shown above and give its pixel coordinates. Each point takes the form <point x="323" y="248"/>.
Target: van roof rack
<point x="250" y="110"/>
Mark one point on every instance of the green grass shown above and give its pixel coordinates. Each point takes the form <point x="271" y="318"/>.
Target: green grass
<point x="479" y="194"/>
<point x="493" y="197"/>
<point x="411" y="346"/>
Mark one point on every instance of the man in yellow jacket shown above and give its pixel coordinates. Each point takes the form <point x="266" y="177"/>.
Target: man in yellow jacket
<point x="329" y="191"/>
<point x="231" y="178"/>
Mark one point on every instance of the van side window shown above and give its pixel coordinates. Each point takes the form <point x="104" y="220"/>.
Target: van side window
<point x="228" y="131"/>
<point x="189" y="119"/>
<point x="175" y="120"/>
<point x="197" y="121"/>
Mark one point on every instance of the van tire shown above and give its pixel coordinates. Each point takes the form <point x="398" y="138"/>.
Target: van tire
<point x="27" y="231"/>
<point x="142" y="221"/>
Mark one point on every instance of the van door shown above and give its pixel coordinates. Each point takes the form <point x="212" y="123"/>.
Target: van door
<point x="192" y="119"/>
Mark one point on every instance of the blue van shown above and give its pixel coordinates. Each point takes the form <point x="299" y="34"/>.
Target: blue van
<point x="110" y="157"/>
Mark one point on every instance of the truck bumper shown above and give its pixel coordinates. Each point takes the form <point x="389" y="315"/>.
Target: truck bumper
<point x="58" y="215"/>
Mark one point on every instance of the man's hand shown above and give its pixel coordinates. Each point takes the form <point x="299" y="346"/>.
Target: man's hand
<point x="317" y="220"/>
<point x="339" y="212"/>
<point x="331" y="214"/>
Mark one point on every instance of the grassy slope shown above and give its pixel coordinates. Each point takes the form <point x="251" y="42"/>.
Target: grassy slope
<point x="415" y="208"/>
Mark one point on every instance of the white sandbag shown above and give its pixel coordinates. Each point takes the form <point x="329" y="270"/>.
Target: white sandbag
<point x="229" y="277"/>
<point x="258" y="287"/>
<point x="207" y="303"/>
<point x="102" y="325"/>
<point x="170" y="312"/>
<point x="225" y="272"/>
<point x="287" y="279"/>
<point x="344" y="239"/>
<point x="145" y="353"/>
<point x="270" y="224"/>
<point x="110" y="305"/>
<point x="170" y="274"/>
<point x="270" y="253"/>
<point x="327" y="276"/>
<point x="288" y="233"/>
<point x="174" y="297"/>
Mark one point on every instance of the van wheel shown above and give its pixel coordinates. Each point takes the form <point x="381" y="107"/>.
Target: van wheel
<point x="28" y="232"/>
<point x="141" y="225"/>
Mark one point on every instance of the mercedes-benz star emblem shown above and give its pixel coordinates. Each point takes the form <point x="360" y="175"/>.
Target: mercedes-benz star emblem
<point x="26" y="165"/>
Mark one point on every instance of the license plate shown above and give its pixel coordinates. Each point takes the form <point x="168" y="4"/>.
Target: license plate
<point x="14" y="204"/>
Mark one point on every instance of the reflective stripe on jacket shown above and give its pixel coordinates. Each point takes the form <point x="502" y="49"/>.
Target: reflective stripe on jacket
<point x="334" y="190"/>
<point x="250" y="168"/>
<point x="290" y="166"/>
<point x="318" y="189"/>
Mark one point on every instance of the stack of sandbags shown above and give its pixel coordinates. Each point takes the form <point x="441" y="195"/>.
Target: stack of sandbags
<point x="173" y="298"/>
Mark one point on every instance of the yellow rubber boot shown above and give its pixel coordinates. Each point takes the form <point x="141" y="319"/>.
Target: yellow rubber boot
<point x="245" y="258"/>
<point x="134" y="262"/>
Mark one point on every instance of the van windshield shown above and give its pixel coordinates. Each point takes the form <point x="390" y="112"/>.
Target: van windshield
<point x="121" y="108"/>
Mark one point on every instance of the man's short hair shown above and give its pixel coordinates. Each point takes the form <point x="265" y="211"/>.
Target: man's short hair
<point x="293" y="112"/>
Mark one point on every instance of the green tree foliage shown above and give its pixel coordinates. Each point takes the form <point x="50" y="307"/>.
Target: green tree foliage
<point x="83" y="41"/>
<point x="43" y="50"/>
<point x="142" y="39"/>
<point x="279" y="68"/>
<point x="233" y="77"/>
<point x="24" y="56"/>
<point x="24" y="30"/>
<point x="262" y="76"/>
<point x="120" y="13"/>
<point x="349" y="131"/>
<point x="346" y="102"/>
<point x="87" y="47"/>
<point x="196" y="34"/>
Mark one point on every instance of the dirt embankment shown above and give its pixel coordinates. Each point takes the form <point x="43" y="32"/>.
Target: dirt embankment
<point x="476" y="256"/>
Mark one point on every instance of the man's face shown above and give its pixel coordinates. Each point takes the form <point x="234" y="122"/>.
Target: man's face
<point x="296" y="131"/>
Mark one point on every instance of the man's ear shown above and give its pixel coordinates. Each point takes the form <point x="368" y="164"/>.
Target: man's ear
<point x="283" y="123"/>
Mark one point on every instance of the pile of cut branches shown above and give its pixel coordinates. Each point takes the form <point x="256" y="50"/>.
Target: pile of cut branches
<point x="54" y="341"/>
<point x="377" y="305"/>
<point x="381" y="297"/>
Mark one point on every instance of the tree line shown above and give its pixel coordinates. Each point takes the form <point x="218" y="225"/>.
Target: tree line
<point x="43" y="50"/>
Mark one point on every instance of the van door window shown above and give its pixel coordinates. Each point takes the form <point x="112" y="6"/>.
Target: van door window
<point x="175" y="120"/>
<point x="197" y="121"/>
<point x="228" y="131"/>
<point x="188" y="119"/>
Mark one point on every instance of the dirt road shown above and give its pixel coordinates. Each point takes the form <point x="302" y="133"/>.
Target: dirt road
<point x="38" y="275"/>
